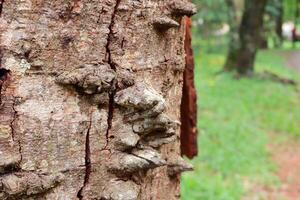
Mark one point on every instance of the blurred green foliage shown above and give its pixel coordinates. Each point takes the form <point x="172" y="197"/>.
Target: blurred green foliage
<point x="213" y="14"/>
<point x="290" y="7"/>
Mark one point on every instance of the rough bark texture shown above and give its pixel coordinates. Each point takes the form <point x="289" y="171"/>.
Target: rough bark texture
<point x="90" y="99"/>
<point x="189" y="99"/>
<point x="242" y="57"/>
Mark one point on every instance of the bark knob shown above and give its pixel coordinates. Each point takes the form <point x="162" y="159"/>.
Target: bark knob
<point x="123" y="163"/>
<point x="90" y="78"/>
<point x="28" y="183"/>
<point x="178" y="166"/>
<point x="142" y="98"/>
<point x="182" y="8"/>
<point x="164" y="23"/>
<point x="161" y="124"/>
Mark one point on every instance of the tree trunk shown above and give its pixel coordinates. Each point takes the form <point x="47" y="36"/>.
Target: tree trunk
<point x="296" y="19"/>
<point x="249" y="37"/>
<point x="234" y="41"/>
<point x="279" y="22"/>
<point x="90" y="99"/>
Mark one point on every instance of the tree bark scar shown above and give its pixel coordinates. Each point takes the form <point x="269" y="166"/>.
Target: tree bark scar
<point x="88" y="164"/>
<point x="188" y="135"/>
<point x="108" y="59"/>
<point x="1" y="6"/>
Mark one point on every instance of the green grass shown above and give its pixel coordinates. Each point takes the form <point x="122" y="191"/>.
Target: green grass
<point x="236" y="118"/>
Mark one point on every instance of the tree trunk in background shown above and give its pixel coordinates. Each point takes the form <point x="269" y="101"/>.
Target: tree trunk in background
<point x="188" y="136"/>
<point x="279" y="22"/>
<point x="234" y="41"/>
<point x="249" y="37"/>
<point x="90" y="99"/>
<point x="296" y="19"/>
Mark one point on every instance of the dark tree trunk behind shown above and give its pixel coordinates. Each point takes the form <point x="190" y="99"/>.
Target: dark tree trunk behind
<point x="297" y="13"/>
<point x="249" y="36"/>
<point x="279" y="21"/>
<point x="234" y="37"/>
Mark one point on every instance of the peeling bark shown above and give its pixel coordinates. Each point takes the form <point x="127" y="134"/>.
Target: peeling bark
<point x="90" y="108"/>
<point x="189" y="100"/>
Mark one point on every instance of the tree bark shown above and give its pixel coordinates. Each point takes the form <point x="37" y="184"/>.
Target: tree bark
<point x="249" y="36"/>
<point x="89" y="94"/>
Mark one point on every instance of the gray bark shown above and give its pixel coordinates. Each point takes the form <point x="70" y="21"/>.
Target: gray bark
<point x="90" y="99"/>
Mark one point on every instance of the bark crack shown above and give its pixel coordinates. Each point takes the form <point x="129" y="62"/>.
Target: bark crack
<point x="4" y="76"/>
<point x="88" y="164"/>
<point x="13" y="120"/>
<point x="13" y="133"/>
<point x="108" y="59"/>
<point x="1" y="6"/>
<point x="20" y="152"/>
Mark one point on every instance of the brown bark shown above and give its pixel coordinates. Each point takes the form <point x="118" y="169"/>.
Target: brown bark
<point x="242" y="56"/>
<point x="188" y="136"/>
<point x="90" y="99"/>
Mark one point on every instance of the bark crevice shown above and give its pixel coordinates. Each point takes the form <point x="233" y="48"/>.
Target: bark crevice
<point x="13" y="120"/>
<point x="1" y="6"/>
<point x="112" y="65"/>
<point x="88" y="164"/>
<point x="4" y="76"/>
<point x="13" y="132"/>
<point x="21" y="155"/>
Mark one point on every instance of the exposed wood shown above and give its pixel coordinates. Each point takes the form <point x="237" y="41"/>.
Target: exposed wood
<point x="189" y="100"/>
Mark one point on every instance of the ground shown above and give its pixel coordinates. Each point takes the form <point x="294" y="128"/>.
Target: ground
<point x="292" y="60"/>
<point x="286" y="155"/>
<point x="249" y="132"/>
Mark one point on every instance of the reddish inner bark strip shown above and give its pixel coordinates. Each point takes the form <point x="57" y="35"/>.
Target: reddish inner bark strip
<point x="189" y="100"/>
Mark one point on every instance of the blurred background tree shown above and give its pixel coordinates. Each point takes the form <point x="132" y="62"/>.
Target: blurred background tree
<point x="242" y="51"/>
<point x="218" y="25"/>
